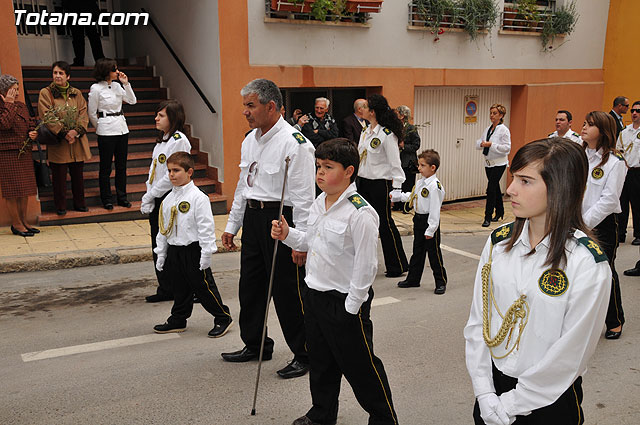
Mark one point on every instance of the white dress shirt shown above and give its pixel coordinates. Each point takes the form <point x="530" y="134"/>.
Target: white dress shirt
<point x="193" y="222"/>
<point x="382" y="158"/>
<point x="561" y="333"/>
<point x="570" y="134"/>
<point x="429" y="194"/>
<point x="604" y="186"/>
<point x="500" y="146"/>
<point x="342" y="245"/>
<point x="262" y="163"/>
<point x="105" y="97"/>
<point x="629" y="144"/>
<point x="176" y="142"/>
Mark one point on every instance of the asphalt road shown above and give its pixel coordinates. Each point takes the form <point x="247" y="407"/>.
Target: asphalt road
<point x="110" y="368"/>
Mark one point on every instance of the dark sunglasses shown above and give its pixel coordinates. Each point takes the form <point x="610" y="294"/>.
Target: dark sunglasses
<point x="626" y="106"/>
<point x="114" y="69"/>
<point x="636" y="110"/>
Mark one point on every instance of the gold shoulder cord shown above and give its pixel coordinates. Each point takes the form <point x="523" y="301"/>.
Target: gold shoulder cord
<point x="518" y="311"/>
<point x="153" y="171"/>
<point x="162" y="229"/>
<point x="363" y="156"/>
<point x="411" y="200"/>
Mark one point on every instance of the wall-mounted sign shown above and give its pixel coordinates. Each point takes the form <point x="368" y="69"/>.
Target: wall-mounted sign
<point x="470" y="109"/>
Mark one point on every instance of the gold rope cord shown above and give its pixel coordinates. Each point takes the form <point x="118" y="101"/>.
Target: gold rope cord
<point x="363" y="156"/>
<point x="411" y="200"/>
<point x="153" y="171"/>
<point x="518" y="311"/>
<point x="174" y="214"/>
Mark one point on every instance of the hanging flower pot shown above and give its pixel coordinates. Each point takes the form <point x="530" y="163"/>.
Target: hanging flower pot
<point x="291" y="6"/>
<point x="363" y="6"/>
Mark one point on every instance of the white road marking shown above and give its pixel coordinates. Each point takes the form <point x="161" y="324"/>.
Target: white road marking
<point x="460" y="252"/>
<point x="384" y="300"/>
<point x="96" y="346"/>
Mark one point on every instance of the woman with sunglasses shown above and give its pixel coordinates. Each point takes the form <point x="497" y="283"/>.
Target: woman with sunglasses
<point x="105" y="113"/>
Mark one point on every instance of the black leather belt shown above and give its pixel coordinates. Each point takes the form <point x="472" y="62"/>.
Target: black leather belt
<point x="261" y="205"/>
<point x="109" y="114"/>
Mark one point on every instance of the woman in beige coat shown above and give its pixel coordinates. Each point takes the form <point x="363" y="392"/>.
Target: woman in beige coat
<point x="73" y="148"/>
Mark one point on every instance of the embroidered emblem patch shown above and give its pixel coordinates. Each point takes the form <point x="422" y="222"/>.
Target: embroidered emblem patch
<point x="638" y="136"/>
<point x="501" y="233"/>
<point x="597" y="173"/>
<point x="176" y="136"/>
<point x="184" y="206"/>
<point x="357" y="201"/>
<point x="375" y="142"/>
<point x="300" y="138"/>
<point x="439" y="185"/>
<point x="618" y="155"/>
<point x="594" y="248"/>
<point x="424" y="192"/>
<point x="386" y="131"/>
<point x="162" y="158"/>
<point x="553" y="282"/>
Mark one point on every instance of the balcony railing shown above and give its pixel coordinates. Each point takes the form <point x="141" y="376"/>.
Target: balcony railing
<point x="288" y="10"/>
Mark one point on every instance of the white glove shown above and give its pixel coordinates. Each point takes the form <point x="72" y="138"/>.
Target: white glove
<point x="396" y="195"/>
<point x="160" y="262"/>
<point x="205" y="261"/>
<point x="148" y="204"/>
<point x="492" y="411"/>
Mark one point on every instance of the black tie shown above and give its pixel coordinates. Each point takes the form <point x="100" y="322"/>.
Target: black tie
<point x="492" y="129"/>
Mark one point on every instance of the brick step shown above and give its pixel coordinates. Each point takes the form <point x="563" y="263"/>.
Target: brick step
<point x="98" y="214"/>
<point x="84" y="71"/>
<point x="84" y="83"/>
<point x="141" y="93"/>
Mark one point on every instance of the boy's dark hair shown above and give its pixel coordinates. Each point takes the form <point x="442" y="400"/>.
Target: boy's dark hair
<point x="183" y="159"/>
<point x="340" y="150"/>
<point x="637" y="102"/>
<point x="175" y="113"/>
<point x="103" y="67"/>
<point x="63" y="66"/>
<point x="431" y="157"/>
<point x="567" y="113"/>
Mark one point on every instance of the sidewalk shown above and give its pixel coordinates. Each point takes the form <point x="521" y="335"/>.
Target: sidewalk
<point x="78" y="245"/>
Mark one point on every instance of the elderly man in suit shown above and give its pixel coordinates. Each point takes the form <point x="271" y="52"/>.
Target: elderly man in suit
<point x="353" y="124"/>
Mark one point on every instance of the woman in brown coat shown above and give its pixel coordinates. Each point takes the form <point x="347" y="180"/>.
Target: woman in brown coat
<point x="73" y="148"/>
<point x="17" y="177"/>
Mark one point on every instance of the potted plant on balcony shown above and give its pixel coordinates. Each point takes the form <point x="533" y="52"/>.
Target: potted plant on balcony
<point x="320" y="9"/>
<point x="510" y="13"/>
<point x="436" y="14"/>
<point x="478" y="15"/>
<point x="562" y="22"/>
<point x="528" y="14"/>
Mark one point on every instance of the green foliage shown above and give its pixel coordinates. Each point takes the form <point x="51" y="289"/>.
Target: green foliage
<point x="320" y="9"/>
<point x="563" y="21"/>
<point x="528" y="10"/>
<point x="434" y="11"/>
<point x="478" y="14"/>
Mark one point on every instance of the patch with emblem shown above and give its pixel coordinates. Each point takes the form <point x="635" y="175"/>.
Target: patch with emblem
<point x="162" y="158"/>
<point x="553" y="282"/>
<point x="299" y="138"/>
<point x="439" y="185"/>
<point x="386" y="131"/>
<point x="375" y="142"/>
<point x="357" y="200"/>
<point x="597" y="173"/>
<point x="176" y="136"/>
<point x="618" y="155"/>
<point x="501" y="233"/>
<point x="594" y="248"/>
<point x="575" y="134"/>
<point x="184" y="207"/>
<point x="424" y="192"/>
<point x="638" y="136"/>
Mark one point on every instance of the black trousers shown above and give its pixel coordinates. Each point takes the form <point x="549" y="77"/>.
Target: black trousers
<point x="339" y="344"/>
<point x="423" y="247"/>
<point x="59" y="181"/>
<point x="566" y="410"/>
<point x="607" y="234"/>
<point x="183" y="268"/>
<point x="108" y="148"/>
<point x="494" y="195"/>
<point x="630" y="194"/>
<point x="164" y="284"/>
<point x="376" y="193"/>
<point x="288" y="284"/>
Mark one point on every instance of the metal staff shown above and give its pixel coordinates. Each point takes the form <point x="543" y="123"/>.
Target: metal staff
<point x="273" y="269"/>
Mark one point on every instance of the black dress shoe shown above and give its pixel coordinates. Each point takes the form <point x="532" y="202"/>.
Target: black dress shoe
<point x="486" y="223"/>
<point x="496" y="218"/>
<point x="440" y="290"/>
<point x="32" y="229"/>
<point x="61" y="212"/>
<point x="124" y="203"/>
<point x="635" y="241"/>
<point x="108" y="206"/>
<point x="20" y="233"/>
<point x="612" y="334"/>
<point x="632" y="272"/>
<point x="156" y="298"/>
<point x="220" y="329"/>
<point x="167" y="327"/>
<point x="304" y="420"/>
<point x="294" y="369"/>
<point x="196" y="300"/>
<point x="81" y="209"/>
<point x="405" y="284"/>
<point x="393" y="274"/>
<point x="245" y="355"/>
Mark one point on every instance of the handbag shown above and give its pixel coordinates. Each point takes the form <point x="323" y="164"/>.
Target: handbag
<point x="43" y="173"/>
<point x="47" y="137"/>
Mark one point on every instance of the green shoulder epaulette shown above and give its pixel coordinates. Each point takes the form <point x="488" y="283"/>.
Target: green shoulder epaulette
<point x="357" y="201"/>
<point x="300" y="138"/>
<point x="386" y="131"/>
<point x="618" y="155"/>
<point x="176" y="136"/>
<point x="502" y="233"/>
<point x="596" y="251"/>
<point x="576" y="134"/>
<point x="550" y="134"/>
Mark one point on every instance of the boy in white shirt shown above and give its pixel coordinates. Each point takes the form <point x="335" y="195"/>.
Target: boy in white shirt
<point x="341" y="241"/>
<point x="426" y="197"/>
<point x="185" y="242"/>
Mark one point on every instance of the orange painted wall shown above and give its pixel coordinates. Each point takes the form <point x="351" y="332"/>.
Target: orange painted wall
<point x="621" y="58"/>
<point x="10" y="64"/>
<point x="536" y="94"/>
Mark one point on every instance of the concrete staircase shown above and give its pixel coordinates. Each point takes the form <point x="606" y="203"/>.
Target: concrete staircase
<point x="142" y="136"/>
